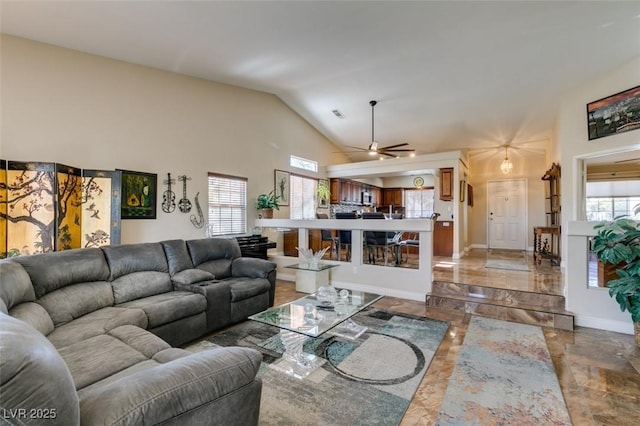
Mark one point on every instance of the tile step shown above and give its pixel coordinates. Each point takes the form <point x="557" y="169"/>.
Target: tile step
<point x="507" y="311"/>
<point x="508" y="296"/>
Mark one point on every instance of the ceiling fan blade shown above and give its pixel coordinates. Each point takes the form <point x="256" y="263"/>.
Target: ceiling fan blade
<point x="626" y="161"/>
<point x="358" y="148"/>
<point x="386" y="148"/>
<point x="397" y="150"/>
<point x="385" y="153"/>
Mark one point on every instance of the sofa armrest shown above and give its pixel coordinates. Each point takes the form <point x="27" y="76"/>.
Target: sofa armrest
<point x="252" y="267"/>
<point x="173" y="389"/>
<point x="191" y="276"/>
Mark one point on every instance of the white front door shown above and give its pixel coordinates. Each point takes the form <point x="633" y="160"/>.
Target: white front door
<point x="507" y="214"/>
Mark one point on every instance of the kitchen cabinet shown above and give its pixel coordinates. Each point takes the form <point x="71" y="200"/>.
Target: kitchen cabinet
<point x="290" y="241"/>
<point x="334" y="188"/>
<point x="446" y="184"/>
<point x="393" y="197"/>
<point x="443" y="238"/>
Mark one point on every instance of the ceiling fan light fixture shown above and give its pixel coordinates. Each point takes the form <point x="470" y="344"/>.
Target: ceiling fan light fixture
<point x="373" y="148"/>
<point x="507" y="166"/>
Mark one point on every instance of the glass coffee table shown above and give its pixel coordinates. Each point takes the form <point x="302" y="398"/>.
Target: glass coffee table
<point x="306" y="318"/>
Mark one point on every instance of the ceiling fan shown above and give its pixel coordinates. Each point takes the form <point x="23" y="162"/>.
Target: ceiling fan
<point x="375" y="148"/>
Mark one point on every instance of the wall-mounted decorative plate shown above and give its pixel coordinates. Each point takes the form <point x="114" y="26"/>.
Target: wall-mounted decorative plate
<point x="418" y="181"/>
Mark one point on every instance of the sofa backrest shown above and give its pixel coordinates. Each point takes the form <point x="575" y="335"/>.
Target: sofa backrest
<point x="34" y="378"/>
<point x="214" y="255"/>
<point x="70" y="283"/>
<point x="17" y="297"/>
<point x="177" y="254"/>
<point x="137" y="271"/>
<point x="15" y="287"/>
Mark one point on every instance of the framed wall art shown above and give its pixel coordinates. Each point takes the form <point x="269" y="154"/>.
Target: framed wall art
<point x="614" y="114"/>
<point x="281" y="183"/>
<point x="139" y="191"/>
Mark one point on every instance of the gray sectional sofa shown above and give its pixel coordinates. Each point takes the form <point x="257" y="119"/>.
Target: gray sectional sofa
<point x="89" y="336"/>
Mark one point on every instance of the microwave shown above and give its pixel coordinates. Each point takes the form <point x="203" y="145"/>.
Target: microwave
<point x="366" y="198"/>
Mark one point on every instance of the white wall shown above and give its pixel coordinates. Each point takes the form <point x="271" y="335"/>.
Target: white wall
<point x="86" y="111"/>
<point x="572" y="142"/>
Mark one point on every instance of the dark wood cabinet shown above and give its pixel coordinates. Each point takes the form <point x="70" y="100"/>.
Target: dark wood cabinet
<point x="393" y="196"/>
<point x="334" y="188"/>
<point x="443" y="238"/>
<point x="446" y="184"/>
<point x="290" y="241"/>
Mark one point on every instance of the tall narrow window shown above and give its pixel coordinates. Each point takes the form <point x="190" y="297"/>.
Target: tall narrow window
<point x="227" y="204"/>
<point x="303" y="197"/>
<point x="418" y="203"/>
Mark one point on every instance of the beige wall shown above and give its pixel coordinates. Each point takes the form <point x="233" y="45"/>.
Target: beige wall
<point x="572" y="137"/>
<point x="64" y="106"/>
<point x="485" y="167"/>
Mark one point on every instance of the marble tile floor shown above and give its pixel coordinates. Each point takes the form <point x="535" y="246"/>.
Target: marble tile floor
<point x="598" y="371"/>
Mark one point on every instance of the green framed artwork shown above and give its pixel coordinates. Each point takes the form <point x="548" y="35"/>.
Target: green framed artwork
<point x="139" y="193"/>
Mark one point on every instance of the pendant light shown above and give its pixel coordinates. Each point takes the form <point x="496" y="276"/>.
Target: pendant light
<point x="506" y="165"/>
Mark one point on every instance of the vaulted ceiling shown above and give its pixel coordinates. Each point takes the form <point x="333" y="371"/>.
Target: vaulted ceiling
<point x="446" y="75"/>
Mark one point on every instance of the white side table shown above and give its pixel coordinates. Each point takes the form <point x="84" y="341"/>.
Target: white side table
<point x="309" y="279"/>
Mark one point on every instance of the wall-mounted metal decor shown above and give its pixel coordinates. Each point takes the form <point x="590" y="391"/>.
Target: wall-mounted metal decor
<point x="614" y="114"/>
<point x="168" y="196"/>
<point x="184" y="203"/>
<point x="101" y="208"/>
<point x="197" y="221"/>
<point x="139" y="191"/>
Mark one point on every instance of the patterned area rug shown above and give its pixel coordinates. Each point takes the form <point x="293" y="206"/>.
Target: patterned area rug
<point x="503" y="376"/>
<point x="366" y="381"/>
<point x="510" y="264"/>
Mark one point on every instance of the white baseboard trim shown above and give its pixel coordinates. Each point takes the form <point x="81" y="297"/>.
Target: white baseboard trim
<point x="605" y="324"/>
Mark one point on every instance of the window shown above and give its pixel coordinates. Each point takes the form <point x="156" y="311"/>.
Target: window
<point x="608" y="208"/>
<point x="418" y="203"/>
<point x="303" y="197"/>
<point x="227" y="205"/>
<point x="303" y="163"/>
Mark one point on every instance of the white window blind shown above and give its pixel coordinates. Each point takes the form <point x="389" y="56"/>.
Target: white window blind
<point x="303" y="197"/>
<point x="227" y="205"/>
<point x="418" y="203"/>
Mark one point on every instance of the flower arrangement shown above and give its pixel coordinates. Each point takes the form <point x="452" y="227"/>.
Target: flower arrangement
<point x="310" y="257"/>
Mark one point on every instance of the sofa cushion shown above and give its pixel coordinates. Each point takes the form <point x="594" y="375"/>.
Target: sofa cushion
<point x="219" y="268"/>
<point x="54" y="270"/>
<point x="169" y="393"/>
<point x="16" y="285"/>
<point x="95" y="324"/>
<point x="34" y="315"/>
<point x="207" y="249"/>
<point x="129" y="258"/>
<point x="33" y="376"/>
<point x="74" y="301"/>
<point x="192" y="276"/>
<point x="140" y="284"/>
<point x="167" y="307"/>
<point x="245" y="288"/>
<point x="177" y="255"/>
<point x="99" y="357"/>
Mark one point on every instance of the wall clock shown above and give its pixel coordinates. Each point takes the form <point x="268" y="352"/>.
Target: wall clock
<point x="418" y="182"/>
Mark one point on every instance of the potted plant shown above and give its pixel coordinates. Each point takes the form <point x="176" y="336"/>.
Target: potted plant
<point x="618" y="242"/>
<point x="323" y="193"/>
<point x="265" y="203"/>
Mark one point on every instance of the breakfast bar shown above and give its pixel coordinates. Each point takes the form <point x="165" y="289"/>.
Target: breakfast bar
<point x="357" y="273"/>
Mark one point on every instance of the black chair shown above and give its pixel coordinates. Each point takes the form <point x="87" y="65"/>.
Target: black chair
<point x="345" y="236"/>
<point x="327" y="235"/>
<point x="375" y="240"/>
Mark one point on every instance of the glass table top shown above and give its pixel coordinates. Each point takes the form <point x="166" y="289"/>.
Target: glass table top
<point x="310" y="317"/>
<point x="311" y="267"/>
